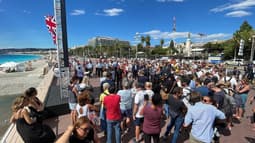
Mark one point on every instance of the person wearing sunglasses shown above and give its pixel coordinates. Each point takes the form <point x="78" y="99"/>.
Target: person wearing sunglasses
<point x="207" y="100"/>
<point x="201" y="116"/>
<point x="81" y="132"/>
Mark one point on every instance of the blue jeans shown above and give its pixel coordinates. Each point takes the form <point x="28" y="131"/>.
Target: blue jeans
<point x="110" y="125"/>
<point x="166" y="109"/>
<point x="103" y="119"/>
<point x="177" y="123"/>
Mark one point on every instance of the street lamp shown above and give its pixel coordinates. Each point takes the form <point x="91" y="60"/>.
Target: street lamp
<point x="137" y="35"/>
<point x="100" y="48"/>
<point x="252" y="48"/>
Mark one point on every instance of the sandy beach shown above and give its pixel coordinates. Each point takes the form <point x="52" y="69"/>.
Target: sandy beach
<point x="16" y="82"/>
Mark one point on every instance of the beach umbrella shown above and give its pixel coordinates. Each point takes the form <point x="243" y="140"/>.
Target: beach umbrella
<point x="9" y="65"/>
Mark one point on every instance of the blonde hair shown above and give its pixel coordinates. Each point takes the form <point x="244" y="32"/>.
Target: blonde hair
<point x="85" y="80"/>
<point x="18" y="103"/>
<point x="106" y="85"/>
<point x="80" y="122"/>
<point x="148" y="84"/>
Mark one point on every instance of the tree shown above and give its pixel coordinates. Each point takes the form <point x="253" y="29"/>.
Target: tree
<point x="142" y="40"/>
<point x="148" y="41"/>
<point x="171" y="47"/>
<point x="245" y="32"/>
<point x="162" y="43"/>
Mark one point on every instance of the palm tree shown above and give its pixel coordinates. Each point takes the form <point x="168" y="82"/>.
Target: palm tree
<point x="142" y="39"/>
<point x="162" y="43"/>
<point x="148" y="41"/>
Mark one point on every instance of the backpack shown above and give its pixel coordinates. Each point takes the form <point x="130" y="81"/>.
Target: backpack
<point x="227" y="106"/>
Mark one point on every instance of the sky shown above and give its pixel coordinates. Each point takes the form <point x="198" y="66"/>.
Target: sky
<point x="22" y="22"/>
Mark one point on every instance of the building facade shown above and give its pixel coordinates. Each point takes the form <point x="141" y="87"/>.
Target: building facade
<point x="107" y="42"/>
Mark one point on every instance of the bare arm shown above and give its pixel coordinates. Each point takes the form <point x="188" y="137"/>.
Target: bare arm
<point x="142" y="110"/>
<point x="37" y="104"/>
<point x="26" y="116"/>
<point x="93" y="107"/>
<point x="65" y="137"/>
<point x="135" y="110"/>
<point x="245" y="89"/>
<point x="15" y="116"/>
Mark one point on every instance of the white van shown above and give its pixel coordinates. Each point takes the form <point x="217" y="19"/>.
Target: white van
<point x="235" y="62"/>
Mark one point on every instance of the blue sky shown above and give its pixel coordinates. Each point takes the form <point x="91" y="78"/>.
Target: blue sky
<point x="22" y="21"/>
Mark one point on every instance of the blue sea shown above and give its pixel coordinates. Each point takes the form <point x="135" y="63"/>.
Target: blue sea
<point x="17" y="58"/>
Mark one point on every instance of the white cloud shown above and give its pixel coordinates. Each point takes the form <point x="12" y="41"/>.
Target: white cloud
<point x="157" y="34"/>
<point x="239" y="13"/>
<point x="170" y="0"/>
<point x="26" y="12"/>
<point x="77" y="12"/>
<point x="112" y="12"/>
<point x="240" y="5"/>
<point x="212" y="37"/>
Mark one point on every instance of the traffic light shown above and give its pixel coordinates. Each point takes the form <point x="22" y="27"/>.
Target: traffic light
<point x="240" y="52"/>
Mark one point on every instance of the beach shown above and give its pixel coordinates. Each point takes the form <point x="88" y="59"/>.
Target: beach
<point x="14" y="84"/>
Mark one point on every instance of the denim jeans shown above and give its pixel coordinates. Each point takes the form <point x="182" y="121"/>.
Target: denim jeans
<point x="177" y="123"/>
<point x="103" y="119"/>
<point x="116" y="125"/>
<point x="166" y="109"/>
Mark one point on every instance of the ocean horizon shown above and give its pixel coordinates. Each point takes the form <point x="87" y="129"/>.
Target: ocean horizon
<point x="19" y="58"/>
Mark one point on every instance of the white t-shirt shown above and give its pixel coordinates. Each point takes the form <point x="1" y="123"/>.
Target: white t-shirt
<point x="139" y="99"/>
<point x="149" y="92"/>
<point x="233" y="82"/>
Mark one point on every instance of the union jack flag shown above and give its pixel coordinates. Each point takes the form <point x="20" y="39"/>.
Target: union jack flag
<point x="51" y="24"/>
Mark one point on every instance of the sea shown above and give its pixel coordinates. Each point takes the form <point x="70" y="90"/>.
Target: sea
<point x="6" y="101"/>
<point x="17" y="58"/>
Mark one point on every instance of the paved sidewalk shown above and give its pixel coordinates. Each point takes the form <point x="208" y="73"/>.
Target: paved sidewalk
<point x="241" y="131"/>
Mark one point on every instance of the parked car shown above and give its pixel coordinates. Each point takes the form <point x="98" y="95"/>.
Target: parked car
<point x="235" y="62"/>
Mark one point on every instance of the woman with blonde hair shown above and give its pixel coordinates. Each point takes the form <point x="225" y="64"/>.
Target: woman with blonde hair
<point x="28" y="127"/>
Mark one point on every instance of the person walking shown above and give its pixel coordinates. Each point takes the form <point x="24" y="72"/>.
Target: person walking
<point x="177" y="111"/>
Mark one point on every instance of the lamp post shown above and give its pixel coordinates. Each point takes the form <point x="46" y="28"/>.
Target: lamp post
<point x="100" y="48"/>
<point x="252" y="48"/>
<point x="136" y="38"/>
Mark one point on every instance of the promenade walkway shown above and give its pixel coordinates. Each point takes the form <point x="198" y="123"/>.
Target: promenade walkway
<point x="241" y="131"/>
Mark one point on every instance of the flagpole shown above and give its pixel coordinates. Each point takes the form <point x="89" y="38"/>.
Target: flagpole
<point x="62" y="47"/>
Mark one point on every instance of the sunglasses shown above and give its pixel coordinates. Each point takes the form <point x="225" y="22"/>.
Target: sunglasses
<point x="84" y="129"/>
<point x="206" y="101"/>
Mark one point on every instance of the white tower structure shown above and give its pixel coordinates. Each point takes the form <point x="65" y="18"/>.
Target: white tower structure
<point x="187" y="51"/>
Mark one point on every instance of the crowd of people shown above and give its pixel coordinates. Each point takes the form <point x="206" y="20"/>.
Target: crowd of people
<point x="192" y="96"/>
